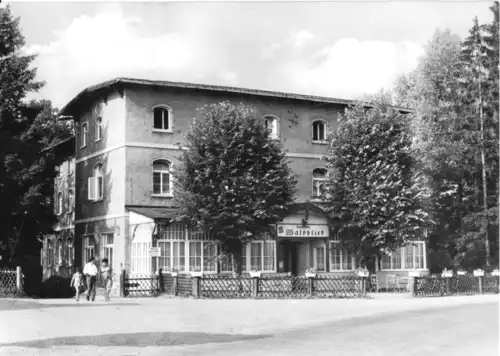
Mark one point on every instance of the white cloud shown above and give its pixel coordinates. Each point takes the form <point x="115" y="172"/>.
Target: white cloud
<point x="269" y="51"/>
<point x="231" y="78"/>
<point x="109" y="44"/>
<point x="350" y="67"/>
<point x="300" y="38"/>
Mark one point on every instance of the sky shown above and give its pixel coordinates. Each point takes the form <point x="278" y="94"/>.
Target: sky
<point x="335" y="49"/>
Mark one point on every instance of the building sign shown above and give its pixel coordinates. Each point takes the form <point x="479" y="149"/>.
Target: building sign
<point x="291" y="230"/>
<point x="154" y="252"/>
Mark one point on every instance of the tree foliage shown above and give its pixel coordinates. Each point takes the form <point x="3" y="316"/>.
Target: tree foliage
<point x="26" y="171"/>
<point x="454" y="89"/>
<point x="371" y="190"/>
<point x="233" y="181"/>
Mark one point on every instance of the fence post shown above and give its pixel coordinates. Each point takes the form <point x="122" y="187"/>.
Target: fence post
<point x="176" y="284"/>
<point x="160" y="281"/>
<point x="196" y="286"/>
<point x="122" y="283"/>
<point x="19" y="279"/>
<point x="310" y="285"/>
<point x="413" y="286"/>
<point x="480" y="282"/>
<point x="255" y="287"/>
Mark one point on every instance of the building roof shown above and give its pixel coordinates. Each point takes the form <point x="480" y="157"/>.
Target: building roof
<point x="61" y="143"/>
<point x="107" y="85"/>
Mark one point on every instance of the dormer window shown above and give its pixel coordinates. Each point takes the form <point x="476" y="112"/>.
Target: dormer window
<point x="271" y="123"/>
<point x="319" y="131"/>
<point x="162" y="118"/>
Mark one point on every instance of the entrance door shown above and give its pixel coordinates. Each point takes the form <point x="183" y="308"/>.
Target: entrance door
<point x="302" y="258"/>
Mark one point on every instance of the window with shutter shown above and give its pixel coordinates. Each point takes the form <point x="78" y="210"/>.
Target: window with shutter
<point x="91" y="188"/>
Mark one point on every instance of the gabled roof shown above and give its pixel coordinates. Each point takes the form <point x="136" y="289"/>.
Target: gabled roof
<point x="107" y="85"/>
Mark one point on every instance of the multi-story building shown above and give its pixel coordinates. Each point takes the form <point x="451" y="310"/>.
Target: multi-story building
<point x="58" y="251"/>
<point x="129" y="136"/>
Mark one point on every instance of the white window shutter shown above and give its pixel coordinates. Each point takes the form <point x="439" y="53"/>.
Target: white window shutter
<point x="91" y="188"/>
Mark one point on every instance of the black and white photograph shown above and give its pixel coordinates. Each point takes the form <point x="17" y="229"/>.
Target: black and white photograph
<point x="249" y="178"/>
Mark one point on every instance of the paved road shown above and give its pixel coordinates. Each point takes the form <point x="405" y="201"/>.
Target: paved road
<point x="398" y="326"/>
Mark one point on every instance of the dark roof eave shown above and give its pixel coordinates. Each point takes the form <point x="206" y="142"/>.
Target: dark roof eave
<point x="66" y="110"/>
<point x="58" y="144"/>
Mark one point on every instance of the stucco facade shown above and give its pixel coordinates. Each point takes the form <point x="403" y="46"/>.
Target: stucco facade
<point x="58" y="251"/>
<point x="117" y="209"/>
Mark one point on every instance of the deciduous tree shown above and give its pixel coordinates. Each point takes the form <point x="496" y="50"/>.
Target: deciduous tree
<point x="371" y="191"/>
<point x="234" y="180"/>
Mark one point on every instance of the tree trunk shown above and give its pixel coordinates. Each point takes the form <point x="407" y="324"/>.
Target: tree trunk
<point x="483" y="171"/>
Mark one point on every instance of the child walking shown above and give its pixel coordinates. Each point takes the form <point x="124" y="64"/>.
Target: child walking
<point x="107" y="278"/>
<point x="77" y="282"/>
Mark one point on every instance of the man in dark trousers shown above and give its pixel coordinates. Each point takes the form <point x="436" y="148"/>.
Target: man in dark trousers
<point x="90" y="271"/>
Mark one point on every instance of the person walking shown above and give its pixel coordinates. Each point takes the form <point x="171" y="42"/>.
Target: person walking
<point x="77" y="282"/>
<point x="90" y="271"/>
<point x="107" y="278"/>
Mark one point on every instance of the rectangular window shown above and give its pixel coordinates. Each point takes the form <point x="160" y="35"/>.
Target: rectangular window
<point x="161" y="183"/>
<point x="50" y="253"/>
<point x="107" y="243"/>
<point x="83" y="138"/>
<point x="340" y="259"/>
<point x="396" y="259"/>
<point x="407" y="257"/>
<point x="195" y="256"/>
<point x="244" y="258"/>
<point x="161" y="119"/>
<point x="419" y="255"/>
<point x="319" y="258"/>
<point x="179" y="256"/>
<point x="268" y="256"/>
<point x="209" y="256"/>
<point x="99" y="187"/>
<point x="256" y="256"/>
<point x="262" y="256"/>
<point x="88" y="248"/>
<point x="227" y="265"/>
<point x="165" y="260"/>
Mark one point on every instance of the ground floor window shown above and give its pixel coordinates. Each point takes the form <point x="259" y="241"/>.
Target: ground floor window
<point x="69" y="250"/>
<point x="319" y="258"/>
<point x="107" y="245"/>
<point x="408" y="257"/>
<point x="88" y="248"/>
<point x="228" y="265"/>
<point x="201" y="256"/>
<point x="193" y="256"/>
<point x="340" y="258"/>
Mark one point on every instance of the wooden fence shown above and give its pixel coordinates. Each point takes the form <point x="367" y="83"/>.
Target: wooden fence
<point x="11" y="280"/>
<point x="228" y="286"/>
<point x="438" y="286"/>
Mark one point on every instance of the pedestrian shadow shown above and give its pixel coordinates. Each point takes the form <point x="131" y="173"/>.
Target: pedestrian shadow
<point x="138" y="339"/>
